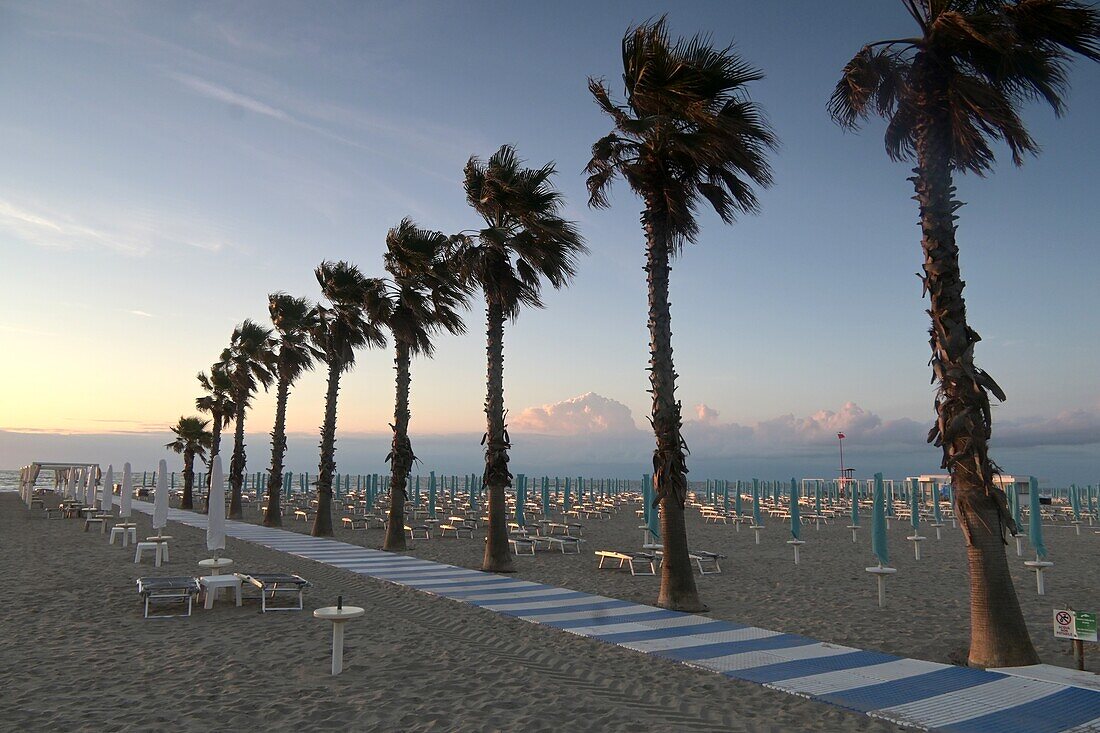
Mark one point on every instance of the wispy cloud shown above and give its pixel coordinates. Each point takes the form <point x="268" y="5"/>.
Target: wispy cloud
<point x="143" y="314"/>
<point x="131" y="232"/>
<point x="232" y="98"/>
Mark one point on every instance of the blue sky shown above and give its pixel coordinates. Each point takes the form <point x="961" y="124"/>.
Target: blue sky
<point x="168" y="165"/>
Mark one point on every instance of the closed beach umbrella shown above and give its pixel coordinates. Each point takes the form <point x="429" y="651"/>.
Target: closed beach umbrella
<point x="431" y="494"/>
<point x="126" y="496"/>
<point x="160" y="499"/>
<point x="1075" y="502"/>
<point x="89" y="486"/>
<point x="725" y="496"/>
<point x="653" y="523"/>
<point x="737" y="500"/>
<point x="1035" y="521"/>
<point x="914" y="506"/>
<point x="416" y="491"/>
<point x="568" y="503"/>
<point x="796" y="515"/>
<point x="889" y="499"/>
<point x="936" y="512"/>
<point x="473" y="495"/>
<point x="853" y="494"/>
<point x="545" y="496"/>
<point x="879" y="545"/>
<point x="817" y="498"/>
<point x="215" y="523"/>
<point x="107" y="497"/>
<point x="756" y="504"/>
<point x="521" y="499"/>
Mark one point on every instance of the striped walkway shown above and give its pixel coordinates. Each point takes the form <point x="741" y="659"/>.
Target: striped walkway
<point x="909" y="692"/>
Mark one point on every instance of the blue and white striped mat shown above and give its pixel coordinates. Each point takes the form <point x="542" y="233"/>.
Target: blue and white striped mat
<point x="910" y="692"/>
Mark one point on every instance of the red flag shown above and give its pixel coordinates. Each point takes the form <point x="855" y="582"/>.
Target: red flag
<point x="840" y="435"/>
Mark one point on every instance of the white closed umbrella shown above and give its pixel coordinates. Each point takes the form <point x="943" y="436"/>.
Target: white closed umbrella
<point x="127" y="494"/>
<point x="160" y="499"/>
<point x="89" y="486"/>
<point x="215" y="523"/>
<point x="107" y="497"/>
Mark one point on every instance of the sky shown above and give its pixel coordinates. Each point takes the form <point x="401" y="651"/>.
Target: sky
<point x="166" y="166"/>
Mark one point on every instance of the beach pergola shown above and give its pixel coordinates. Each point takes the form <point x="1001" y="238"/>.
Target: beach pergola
<point x="28" y="475"/>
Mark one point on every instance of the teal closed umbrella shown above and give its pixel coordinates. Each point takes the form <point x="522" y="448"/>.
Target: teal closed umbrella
<point x="756" y="504"/>
<point x="1035" y="521"/>
<point x="879" y="545"/>
<point x="473" y="493"/>
<point x="521" y="499"/>
<point x="431" y="494"/>
<point x="545" y="496"/>
<point x="568" y="503"/>
<point x="1075" y="502"/>
<point x="914" y="506"/>
<point x="889" y="499"/>
<point x="817" y="498"/>
<point x="853" y="494"/>
<point x="796" y="515"/>
<point x="725" y="496"/>
<point x="653" y="520"/>
<point x="737" y="500"/>
<point x="936" y="512"/>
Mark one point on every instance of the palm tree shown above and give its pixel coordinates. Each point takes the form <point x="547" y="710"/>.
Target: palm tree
<point x="218" y="403"/>
<point x="424" y="296"/>
<point x="353" y="319"/>
<point x="687" y="133"/>
<point x="251" y="363"/>
<point x="294" y="320"/>
<point x="192" y="439"/>
<point x="947" y="93"/>
<point x="524" y="239"/>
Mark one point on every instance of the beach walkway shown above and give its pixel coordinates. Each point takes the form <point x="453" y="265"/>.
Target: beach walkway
<point x="909" y="692"/>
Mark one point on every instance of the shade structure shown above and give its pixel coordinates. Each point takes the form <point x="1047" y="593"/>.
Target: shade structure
<point x="107" y="495"/>
<point x="914" y="504"/>
<point x="431" y="494"/>
<point x="756" y="503"/>
<point x="545" y="496"/>
<point x="1035" y="520"/>
<point x="160" y="498"/>
<point x="215" y="522"/>
<point x="126" y="495"/>
<point x="653" y="522"/>
<point x="1075" y="502"/>
<point x="796" y="515"/>
<point x="521" y="499"/>
<point x="879" y="545"/>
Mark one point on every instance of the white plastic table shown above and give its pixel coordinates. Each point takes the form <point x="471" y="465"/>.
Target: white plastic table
<point x="213" y="584"/>
<point x="215" y="564"/>
<point x="338" y="617"/>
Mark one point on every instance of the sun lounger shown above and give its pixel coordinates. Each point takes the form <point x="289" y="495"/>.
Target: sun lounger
<point x="636" y="561"/>
<point x="705" y="562"/>
<point x="168" y="590"/>
<point x="419" y="532"/>
<point x="568" y="545"/>
<point x="272" y="585"/>
<point x="522" y="545"/>
<point x="355" y="522"/>
<point x="457" y="529"/>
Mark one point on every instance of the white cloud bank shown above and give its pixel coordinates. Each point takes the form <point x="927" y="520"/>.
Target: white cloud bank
<point x="584" y="415"/>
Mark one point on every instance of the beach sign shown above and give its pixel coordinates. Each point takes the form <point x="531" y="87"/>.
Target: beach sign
<point x="1079" y="625"/>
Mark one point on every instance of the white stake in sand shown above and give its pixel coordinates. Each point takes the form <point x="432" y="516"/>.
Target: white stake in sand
<point x="853" y="527"/>
<point x="796" y="544"/>
<point x="757" y="530"/>
<point x="916" y="540"/>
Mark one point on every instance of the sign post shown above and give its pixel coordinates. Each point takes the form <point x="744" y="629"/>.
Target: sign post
<point x="1079" y="626"/>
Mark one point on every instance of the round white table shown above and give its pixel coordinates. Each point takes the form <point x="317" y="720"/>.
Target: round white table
<point x="338" y="616"/>
<point x="215" y="564"/>
<point x="881" y="572"/>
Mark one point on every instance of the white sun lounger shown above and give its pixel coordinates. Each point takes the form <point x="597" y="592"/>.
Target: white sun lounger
<point x="168" y="590"/>
<point x="636" y="561"/>
<point x="275" y="584"/>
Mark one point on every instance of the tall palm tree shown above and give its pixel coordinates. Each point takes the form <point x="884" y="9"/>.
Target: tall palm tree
<point x="425" y="294"/>
<point x="524" y="240"/>
<point x="251" y="365"/>
<point x="294" y="319"/>
<point x="192" y="439"/>
<point x="218" y="403"/>
<point x="353" y="319"/>
<point x="687" y="134"/>
<point x="948" y="93"/>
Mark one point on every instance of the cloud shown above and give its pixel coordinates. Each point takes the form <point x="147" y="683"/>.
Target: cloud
<point x="228" y="96"/>
<point x="143" y="314"/>
<point x="584" y="415"/>
<point x="1069" y="428"/>
<point x="130" y="231"/>
<point x="705" y="414"/>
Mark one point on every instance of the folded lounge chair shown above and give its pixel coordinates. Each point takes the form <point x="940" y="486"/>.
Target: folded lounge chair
<point x="272" y="585"/>
<point x="168" y="590"/>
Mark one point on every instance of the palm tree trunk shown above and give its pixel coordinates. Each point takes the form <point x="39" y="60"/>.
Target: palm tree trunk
<point x="187" y="501"/>
<point x="236" y="463"/>
<point x="998" y="633"/>
<point x="678" y="591"/>
<point x="401" y="454"/>
<point x="322" y="523"/>
<point x="215" y="449"/>
<point x="274" y="515"/>
<point x="498" y="556"/>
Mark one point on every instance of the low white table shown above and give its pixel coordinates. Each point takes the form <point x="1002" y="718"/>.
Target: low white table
<point x="213" y="584"/>
<point x="338" y="617"/>
<point x="215" y="564"/>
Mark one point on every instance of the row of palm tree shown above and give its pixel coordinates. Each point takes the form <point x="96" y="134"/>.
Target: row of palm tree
<point x="688" y="135"/>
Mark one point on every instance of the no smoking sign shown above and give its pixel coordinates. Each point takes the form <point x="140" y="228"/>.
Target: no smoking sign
<point x="1074" y="625"/>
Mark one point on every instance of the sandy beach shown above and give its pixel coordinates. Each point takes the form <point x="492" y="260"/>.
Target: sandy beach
<point x="829" y="596"/>
<point x="76" y="654"/>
